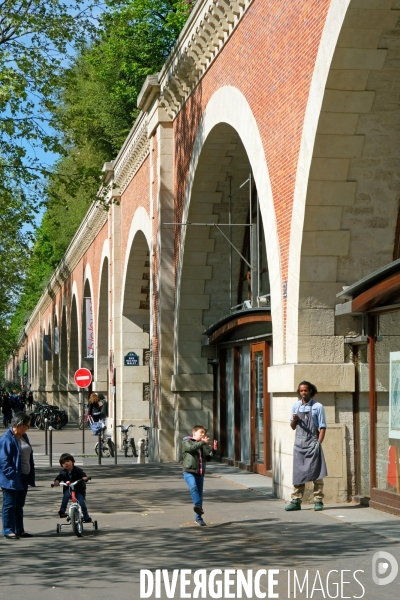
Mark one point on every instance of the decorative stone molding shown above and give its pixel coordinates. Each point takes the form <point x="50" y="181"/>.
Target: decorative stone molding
<point x="207" y="30"/>
<point x="95" y="219"/>
<point x="132" y="154"/>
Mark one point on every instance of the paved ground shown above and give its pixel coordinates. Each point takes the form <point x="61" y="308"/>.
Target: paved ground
<point x="146" y="522"/>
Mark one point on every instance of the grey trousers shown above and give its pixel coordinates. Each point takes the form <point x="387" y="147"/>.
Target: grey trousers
<point x="298" y="490"/>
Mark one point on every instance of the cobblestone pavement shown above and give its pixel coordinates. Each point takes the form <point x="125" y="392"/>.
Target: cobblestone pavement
<point x="146" y="521"/>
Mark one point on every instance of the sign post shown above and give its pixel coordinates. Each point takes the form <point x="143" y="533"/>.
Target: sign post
<point x="83" y="378"/>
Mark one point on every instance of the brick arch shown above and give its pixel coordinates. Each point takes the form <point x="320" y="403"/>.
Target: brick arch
<point x="228" y="106"/>
<point x="348" y="163"/>
<point x="56" y="357"/>
<point x="133" y="383"/>
<point x="87" y="293"/>
<point x="102" y="328"/>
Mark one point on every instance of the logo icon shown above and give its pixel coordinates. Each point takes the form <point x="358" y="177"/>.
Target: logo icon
<point x="380" y="565"/>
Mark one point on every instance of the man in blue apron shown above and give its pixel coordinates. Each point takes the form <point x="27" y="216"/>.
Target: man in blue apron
<point x="308" y="420"/>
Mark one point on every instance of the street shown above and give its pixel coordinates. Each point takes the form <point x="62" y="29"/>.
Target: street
<point x="146" y="521"/>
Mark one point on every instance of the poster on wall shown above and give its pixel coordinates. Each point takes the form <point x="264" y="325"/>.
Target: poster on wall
<point x="89" y="328"/>
<point x="394" y="396"/>
<point x="56" y="341"/>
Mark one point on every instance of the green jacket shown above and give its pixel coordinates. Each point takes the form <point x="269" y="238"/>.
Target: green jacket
<point x="191" y="455"/>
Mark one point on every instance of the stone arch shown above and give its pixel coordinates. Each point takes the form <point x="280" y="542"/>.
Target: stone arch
<point x="49" y="363"/>
<point x="228" y="106"/>
<point x="103" y="321"/>
<point x="88" y="340"/>
<point x="134" y="382"/>
<point x="341" y="230"/>
<point x="74" y="356"/>
<point x="63" y="358"/>
<point x="227" y="149"/>
<point x="56" y="356"/>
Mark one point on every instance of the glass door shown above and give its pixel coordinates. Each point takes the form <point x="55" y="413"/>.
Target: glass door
<point x="260" y="416"/>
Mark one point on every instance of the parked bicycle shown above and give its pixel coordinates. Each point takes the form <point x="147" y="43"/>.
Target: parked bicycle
<point x="128" y="443"/>
<point x="56" y="417"/>
<point x="146" y="445"/>
<point x="84" y="419"/>
<point x="107" y="445"/>
<point x="75" y="513"/>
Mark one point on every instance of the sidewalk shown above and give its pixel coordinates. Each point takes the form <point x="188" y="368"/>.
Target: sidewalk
<point x="146" y="521"/>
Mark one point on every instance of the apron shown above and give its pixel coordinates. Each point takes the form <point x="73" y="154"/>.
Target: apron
<point x="308" y="458"/>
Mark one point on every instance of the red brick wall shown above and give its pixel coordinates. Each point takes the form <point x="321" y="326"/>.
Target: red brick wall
<point x="136" y="194"/>
<point x="270" y="59"/>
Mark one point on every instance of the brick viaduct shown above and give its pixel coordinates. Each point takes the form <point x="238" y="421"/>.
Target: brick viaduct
<point x="304" y="96"/>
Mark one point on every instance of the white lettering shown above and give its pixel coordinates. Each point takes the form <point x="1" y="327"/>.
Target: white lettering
<point x="320" y="589"/>
<point x="334" y="584"/>
<point x="359" y="582"/>
<point x="228" y="583"/>
<point x="305" y="582"/>
<point x="185" y="582"/>
<point x="215" y="587"/>
<point x="342" y="582"/>
<point x="146" y="578"/>
<point x="200" y="580"/>
<point x="170" y="589"/>
<point x="272" y="583"/>
<point x="257" y="578"/>
<point x="158" y="583"/>
<point x="243" y="584"/>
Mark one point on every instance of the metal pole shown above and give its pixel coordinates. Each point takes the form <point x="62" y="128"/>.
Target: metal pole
<point x="230" y="239"/>
<point x="258" y="251"/>
<point x="83" y="422"/>
<point x="251" y="239"/>
<point x="115" y="415"/>
<point x="45" y="438"/>
<point x="99" y="449"/>
<point x="51" y="447"/>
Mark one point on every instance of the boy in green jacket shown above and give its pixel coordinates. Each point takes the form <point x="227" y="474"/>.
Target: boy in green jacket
<point x="196" y="451"/>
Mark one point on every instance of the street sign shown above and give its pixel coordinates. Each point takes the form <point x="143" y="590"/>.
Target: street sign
<point x="131" y="360"/>
<point x="83" y="378"/>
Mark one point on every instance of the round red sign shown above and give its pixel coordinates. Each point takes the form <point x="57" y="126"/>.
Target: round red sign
<point x="83" y="378"/>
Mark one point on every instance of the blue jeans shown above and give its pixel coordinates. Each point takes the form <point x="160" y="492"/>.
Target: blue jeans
<point x="79" y="497"/>
<point x="195" y="483"/>
<point x="13" y="509"/>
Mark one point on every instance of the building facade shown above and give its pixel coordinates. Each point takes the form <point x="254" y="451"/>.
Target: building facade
<point x="260" y="181"/>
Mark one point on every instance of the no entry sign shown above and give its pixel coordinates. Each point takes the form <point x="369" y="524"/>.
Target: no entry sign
<point x="83" y="378"/>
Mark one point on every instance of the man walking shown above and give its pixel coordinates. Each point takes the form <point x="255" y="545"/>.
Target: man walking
<point x="308" y="420"/>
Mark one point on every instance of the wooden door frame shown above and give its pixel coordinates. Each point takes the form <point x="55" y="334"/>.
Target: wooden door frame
<point x="264" y="467"/>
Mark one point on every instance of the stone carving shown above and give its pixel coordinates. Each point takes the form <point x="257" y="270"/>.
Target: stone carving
<point x="205" y="34"/>
<point x="132" y="154"/>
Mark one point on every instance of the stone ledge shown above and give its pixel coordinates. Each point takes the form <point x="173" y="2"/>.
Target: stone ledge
<point x="327" y="377"/>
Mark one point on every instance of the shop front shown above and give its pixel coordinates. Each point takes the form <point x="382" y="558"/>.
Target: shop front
<point x="375" y="302"/>
<point x="242" y="407"/>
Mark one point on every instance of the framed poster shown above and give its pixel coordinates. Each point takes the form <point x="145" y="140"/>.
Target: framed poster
<point x="394" y="396"/>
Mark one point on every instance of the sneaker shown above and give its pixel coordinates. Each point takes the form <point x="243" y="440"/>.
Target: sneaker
<point x="318" y="505"/>
<point x="198" y="510"/>
<point x="88" y="520"/>
<point x="62" y="514"/>
<point x="294" y="505"/>
<point x="200" y="522"/>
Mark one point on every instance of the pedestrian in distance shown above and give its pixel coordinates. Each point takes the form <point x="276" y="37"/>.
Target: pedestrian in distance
<point x="6" y="410"/>
<point x="196" y="451"/>
<point x="308" y="420"/>
<point x="17" y="472"/>
<point x="29" y="399"/>
<point x="94" y="408"/>
<point x="71" y="473"/>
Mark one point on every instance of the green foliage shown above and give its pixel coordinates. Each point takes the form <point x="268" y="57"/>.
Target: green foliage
<point x="93" y="107"/>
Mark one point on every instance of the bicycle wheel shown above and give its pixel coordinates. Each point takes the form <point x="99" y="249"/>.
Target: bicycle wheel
<point x="105" y="450"/>
<point x="76" y="522"/>
<point x="125" y="448"/>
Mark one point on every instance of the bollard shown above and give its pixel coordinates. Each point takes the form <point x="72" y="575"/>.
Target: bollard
<point x="99" y="449"/>
<point x="51" y="447"/>
<point x="45" y="437"/>
<point x="141" y="449"/>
